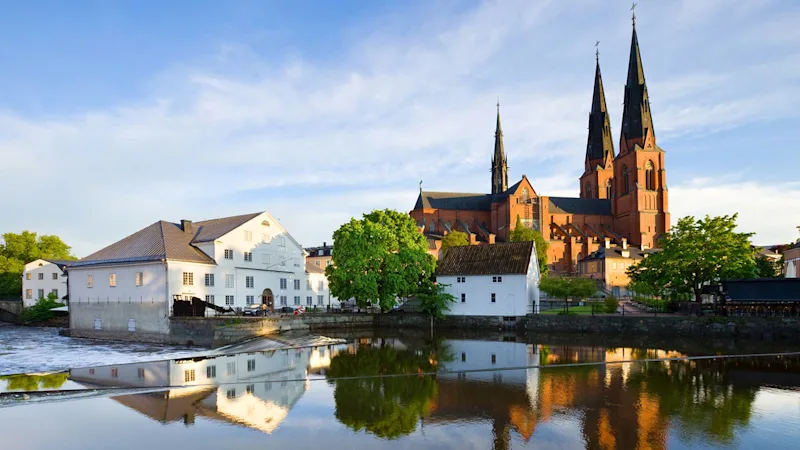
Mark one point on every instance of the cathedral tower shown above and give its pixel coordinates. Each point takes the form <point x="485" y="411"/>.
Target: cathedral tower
<point x="639" y="199"/>
<point x="596" y="181"/>
<point x="499" y="163"/>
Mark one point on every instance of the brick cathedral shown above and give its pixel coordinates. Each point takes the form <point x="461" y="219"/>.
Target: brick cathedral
<point x="622" y="206"/>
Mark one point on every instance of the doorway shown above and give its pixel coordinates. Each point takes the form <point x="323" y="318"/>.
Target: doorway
<point x="268" y="300"/>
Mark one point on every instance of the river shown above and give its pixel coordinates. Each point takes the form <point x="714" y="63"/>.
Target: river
<point x="455" y="391"/>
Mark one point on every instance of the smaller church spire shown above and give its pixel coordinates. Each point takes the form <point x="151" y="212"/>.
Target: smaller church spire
<point x="637" y="122"/>
<point x="499" y="163"/>
<point x="599" y="146"/>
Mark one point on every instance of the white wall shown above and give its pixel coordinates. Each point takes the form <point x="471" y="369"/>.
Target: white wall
<point x="512" y="295"/>
<point x="153" y="289"/>
<point x="477" y="355"/>
<point x="47" y="284"/>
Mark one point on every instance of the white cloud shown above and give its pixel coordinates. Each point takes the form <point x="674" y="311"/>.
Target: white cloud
<point x="770" y="210"/>
<point x="316" y="143"/>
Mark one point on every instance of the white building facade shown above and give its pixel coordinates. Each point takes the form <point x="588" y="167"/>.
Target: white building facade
<point x="43" y="277"/>
<point x="491" y="280"/>
<point x="230" y="262"/>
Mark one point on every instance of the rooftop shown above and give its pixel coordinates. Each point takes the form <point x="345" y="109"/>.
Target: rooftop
<point x="489" y="259"/>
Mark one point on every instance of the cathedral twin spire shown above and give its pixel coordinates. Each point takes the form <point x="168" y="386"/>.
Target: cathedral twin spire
<point x="499" y="162"/>
<point x="600" y="145"/>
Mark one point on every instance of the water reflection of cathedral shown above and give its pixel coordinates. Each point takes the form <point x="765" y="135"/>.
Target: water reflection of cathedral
<point x="610" y="415"/>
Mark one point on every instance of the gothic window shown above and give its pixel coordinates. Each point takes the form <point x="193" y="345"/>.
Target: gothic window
<point x="649" y="176"/>
<point x="625" y="180"/>
<point x="588" y="190"/>
<point x="608" y="189"/>
<point x="525" y="195"/>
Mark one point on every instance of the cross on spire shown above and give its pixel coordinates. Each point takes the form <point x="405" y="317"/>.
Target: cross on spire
<point x="633" y="13"/>
<point x="597" y="50"/>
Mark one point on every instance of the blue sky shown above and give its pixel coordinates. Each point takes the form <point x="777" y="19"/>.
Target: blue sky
<point x="116" y="114"/>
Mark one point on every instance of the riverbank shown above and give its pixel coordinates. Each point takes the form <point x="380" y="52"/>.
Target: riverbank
<point x="215" y="332"/>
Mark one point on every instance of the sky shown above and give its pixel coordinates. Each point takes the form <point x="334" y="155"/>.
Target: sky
<point x="117" y="114"/>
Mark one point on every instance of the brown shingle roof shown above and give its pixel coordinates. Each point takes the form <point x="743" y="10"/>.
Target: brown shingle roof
<point x="454" y="200"/>
<point x="159" y="241"/>
<point x="165" y="240"/>
<point x="313" y="268"/>
<point x="489" y="259"/>
<point x="210" y="230"/>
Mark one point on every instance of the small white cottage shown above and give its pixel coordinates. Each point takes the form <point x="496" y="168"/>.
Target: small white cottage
<point x="492" y="279"/>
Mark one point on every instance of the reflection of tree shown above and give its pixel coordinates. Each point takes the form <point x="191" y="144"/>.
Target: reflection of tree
<point x="700" y="396"/>
<point x="32" y="382"/>
<point x="387" y="406"/>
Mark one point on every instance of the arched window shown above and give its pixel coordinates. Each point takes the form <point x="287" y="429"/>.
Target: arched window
<point x="525" y="195"/>
<point x="649" y="176"/>
<point x="625" y="180"/>
<point x="588" y="190"/>
<point x="608" y="189"/>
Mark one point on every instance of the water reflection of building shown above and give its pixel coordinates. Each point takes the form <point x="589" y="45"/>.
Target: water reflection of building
<point x="610" y="414"/>
<point x="256" y="390"/>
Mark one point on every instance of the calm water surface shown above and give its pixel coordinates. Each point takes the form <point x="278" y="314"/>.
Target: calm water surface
<point x="411" y="392"/>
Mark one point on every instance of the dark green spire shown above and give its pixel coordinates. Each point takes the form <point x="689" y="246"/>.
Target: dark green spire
<point x="600" y="144"/>
<point x="636" y="119"/>
<point x="499" y="163"/>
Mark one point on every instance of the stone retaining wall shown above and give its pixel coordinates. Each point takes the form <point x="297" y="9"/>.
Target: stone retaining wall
<point x="215" y="332"/>
<point x="10" y="310"/>
<point x="685" y="326"/>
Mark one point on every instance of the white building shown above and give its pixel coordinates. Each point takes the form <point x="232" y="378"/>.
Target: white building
<point x="231" y="262"/>
<point x="491" y="280"/>
<point x="256" y="390"/>
<point x="42" y="277"/>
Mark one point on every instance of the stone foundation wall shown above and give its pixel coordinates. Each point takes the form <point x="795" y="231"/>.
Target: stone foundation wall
<point x="668" y="326"/>
<point x="9" y="310"/>
<point x="128" y="336"/>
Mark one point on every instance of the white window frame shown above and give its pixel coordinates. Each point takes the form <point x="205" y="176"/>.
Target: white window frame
<point x="248" y="235"/>
<point x="494" y="297"/>
<point x="228" y="254"/>
<point x="112" y="280"/>
<point x="188" y="278"/>
<point x="139" y="279"/>
<point x="230" y="281"/>
<point x="210" y="299"/>
<point x="320" y="299"/>
<point x="463" y="298"/>
<point x="296" y="300"/>
<point x="209" y="280"/>
<point x="284" y="302"/>
<point x="310" y="300"/>
<point x="230" y="300"/>
<point x="248" y="256"/>
<point x="41" y="293"/>
<point x="89" y="281"/>
<point x="308" y="284"/>
<point x="249" y="282"/>
<point x="41" y="276"/>
<point x="55" y="275"/>
<point x="284" y="283"/>
<point x="296" y="284"/>
<point x="250" y="299"/>
<point x="29" y="294"/>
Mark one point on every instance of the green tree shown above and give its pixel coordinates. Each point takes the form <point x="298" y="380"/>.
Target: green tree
<point x="18" y="249"/>
<point x="568" y="287"/>
<point x="767" y="268"/>
<point x="434" y="301"/>
<point x="521" y="233"/>
<point x="368" y="398"/>
<point x="30" y="383"/>
<point x="454" y="239"/>
<point x="41" y="311"/>
<point x="378" y="259"/>
<point x="695" y="253"/>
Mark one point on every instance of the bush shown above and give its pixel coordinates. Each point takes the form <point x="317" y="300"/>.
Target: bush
<point x="610" y="304"/>
<point x="41" y="311"/>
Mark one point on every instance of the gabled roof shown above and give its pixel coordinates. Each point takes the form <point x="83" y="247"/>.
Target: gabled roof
<point x="159" y="241"/>
<point x="508" y="191"/>
<point x="454" y="200"/>
<point x="209" y="230"/>
<point x="615" y="251"/>
<point x="490" y="259"/>
<point x="61" y="263"/>
<point x="588" y="206"/>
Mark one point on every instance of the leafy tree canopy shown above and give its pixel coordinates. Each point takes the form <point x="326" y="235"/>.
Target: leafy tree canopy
<point x="521" y="233"/>
<point x="18" y="249"/>
<point x="454" y="239"/>
<point x="694" y="253"/>
<point x="433" y="299"/>
<point x="386" y="406"/>
<point x="768" y="268"/>
<point x="568" y="287"/>
<point x="378" y="259"/>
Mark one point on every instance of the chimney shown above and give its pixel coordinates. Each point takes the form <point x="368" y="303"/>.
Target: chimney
<point x="186" y="226"/>
<point x="324" y="244"/>
<point x="624" y="243"/>
<point x="608" y="242"/>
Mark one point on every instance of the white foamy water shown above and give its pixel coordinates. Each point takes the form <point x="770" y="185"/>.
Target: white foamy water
<point x="29" y="350"/>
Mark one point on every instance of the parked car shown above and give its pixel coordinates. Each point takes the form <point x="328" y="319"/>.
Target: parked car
<point x="286" y="310"/>
<point x="255" y="310"/>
